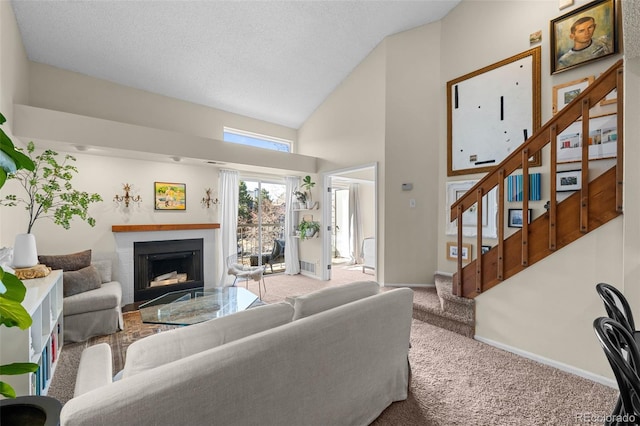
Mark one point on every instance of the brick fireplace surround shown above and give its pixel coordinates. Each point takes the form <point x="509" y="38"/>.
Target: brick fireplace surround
<point x="126" y="235"/>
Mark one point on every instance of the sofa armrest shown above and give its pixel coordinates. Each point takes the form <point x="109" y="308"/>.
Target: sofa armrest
<point x="95" y="369"/>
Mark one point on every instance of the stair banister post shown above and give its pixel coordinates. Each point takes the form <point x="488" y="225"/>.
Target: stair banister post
<point x="584" y="190"/>
<point x="620" y="141"/>
<point x="525" y="207"/>
<point x="553" y="138"/>
<point x="459" y="242"/>
<point x="478" y="241"/>
<point x="500" y="265"/>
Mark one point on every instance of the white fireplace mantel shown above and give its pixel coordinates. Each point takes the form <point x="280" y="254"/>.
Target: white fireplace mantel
<point x="126" y="235"/>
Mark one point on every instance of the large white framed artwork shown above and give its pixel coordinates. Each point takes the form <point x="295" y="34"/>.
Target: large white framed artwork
<point x="456" y="190"/>
<point x="491" y="112"/>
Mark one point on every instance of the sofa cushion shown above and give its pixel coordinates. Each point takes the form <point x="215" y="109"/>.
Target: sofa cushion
<point x="67" y="262"/>
<point x="169" y="346"/>
<point x="104" y="268"/>
<point x="331" y="297"/>
<point x="85" y="279"/>
<point x="108" y="296"/>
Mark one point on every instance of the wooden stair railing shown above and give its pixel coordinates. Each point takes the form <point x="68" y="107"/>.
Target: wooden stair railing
<point x="598" y="201"/>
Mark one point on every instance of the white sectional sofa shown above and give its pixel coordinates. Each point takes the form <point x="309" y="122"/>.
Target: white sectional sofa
<point x="335" y="357"/>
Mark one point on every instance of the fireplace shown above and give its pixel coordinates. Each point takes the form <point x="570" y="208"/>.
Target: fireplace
<point x="163" y="266"/>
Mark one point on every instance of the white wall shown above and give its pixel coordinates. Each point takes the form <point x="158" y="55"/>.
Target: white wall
<point x="105" y="176"/>
<point x="347" y="130"/>
<point x="13" y="70"/>
<point x="413" y="110"/>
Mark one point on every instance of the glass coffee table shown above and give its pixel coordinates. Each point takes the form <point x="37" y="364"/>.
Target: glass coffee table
<point x="192" y="306"/>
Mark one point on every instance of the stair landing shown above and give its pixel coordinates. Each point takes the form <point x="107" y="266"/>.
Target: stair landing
<point x="438" y="306"/>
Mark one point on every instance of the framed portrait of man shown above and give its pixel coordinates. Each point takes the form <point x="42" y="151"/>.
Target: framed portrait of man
<point x="585" y="34"/>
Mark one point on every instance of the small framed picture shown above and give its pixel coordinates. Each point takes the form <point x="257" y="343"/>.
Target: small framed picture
<point x="611" y="98"/>
<point x="568" y="180"/>
<point x="582" y="35"/>
<point x="515" y="219"/>
<point x="170" y="196"/>
<point x="485" y="249"/>
<point x="452" y="252"/>
<point x="563" y="94"/>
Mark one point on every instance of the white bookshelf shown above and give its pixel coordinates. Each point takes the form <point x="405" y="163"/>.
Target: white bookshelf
<point x="42" y="342"/>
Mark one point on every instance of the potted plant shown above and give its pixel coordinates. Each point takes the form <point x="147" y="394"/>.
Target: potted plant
<point x="307" y="184"/>
<point x="301" y="197"/>
<point x="12" y="290"/>
<point x="308" y="228"/>
<point x="49" y="194"/>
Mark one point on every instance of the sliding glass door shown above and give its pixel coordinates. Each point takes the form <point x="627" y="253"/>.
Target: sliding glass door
<point x="261" y="213"/>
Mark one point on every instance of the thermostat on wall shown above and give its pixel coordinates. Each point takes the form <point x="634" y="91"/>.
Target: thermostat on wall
<point x="407" y="186"/>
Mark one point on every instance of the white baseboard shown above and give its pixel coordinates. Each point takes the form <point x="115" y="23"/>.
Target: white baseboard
<point x="408" y="285"/>
<point x="550" y="362"/>
<point x="446" y="274"/>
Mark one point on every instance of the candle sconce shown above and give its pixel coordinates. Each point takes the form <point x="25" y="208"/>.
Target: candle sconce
<point x="207" y="201"/>
<point x="127" y="198"/>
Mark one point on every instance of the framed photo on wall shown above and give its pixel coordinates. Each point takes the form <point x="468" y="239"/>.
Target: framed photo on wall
<point x="452" y="252"/>
<point x="603" y="138"/>
<point x="585" y="34"/>
<point x="170" y="196"/>
<point x="563" y="94"/>
<point x="455" y="190"/>
<point x="516" y="218"/>
<point x="568" y="180"/>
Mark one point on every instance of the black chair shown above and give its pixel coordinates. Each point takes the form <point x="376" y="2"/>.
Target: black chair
<point x="624" y="357"/>
<point x="276" y="255"/>
<point x="618" y="308"/>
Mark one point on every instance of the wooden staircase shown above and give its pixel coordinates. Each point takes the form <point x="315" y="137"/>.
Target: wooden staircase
<point x="598" y="201"/>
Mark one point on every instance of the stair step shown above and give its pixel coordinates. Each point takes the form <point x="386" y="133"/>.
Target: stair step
<point x="427" y="307"/>
<point x="463" y="307"/>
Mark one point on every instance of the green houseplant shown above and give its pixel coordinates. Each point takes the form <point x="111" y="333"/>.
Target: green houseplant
<point x="308" y="228"/>
<point x="49" y="193"/>
<point x="307" y="184"/>
<point x="12" y="290"/>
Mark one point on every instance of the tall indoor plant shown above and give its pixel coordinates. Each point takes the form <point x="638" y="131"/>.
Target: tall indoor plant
<point x="12" y="290"/>
<point x="49" y="193"/>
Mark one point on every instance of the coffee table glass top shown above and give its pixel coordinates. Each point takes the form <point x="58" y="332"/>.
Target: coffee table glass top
<point x="188" y="307"/>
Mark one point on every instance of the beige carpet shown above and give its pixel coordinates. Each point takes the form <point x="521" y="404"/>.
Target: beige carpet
<point x="456" y="380"/>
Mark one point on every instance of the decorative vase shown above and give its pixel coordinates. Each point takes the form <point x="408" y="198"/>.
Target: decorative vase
<point x="30" y="410"/>
<point x="25" y="254"/>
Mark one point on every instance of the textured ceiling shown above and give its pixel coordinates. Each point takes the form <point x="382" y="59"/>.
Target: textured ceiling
<point x="271" y="60"/>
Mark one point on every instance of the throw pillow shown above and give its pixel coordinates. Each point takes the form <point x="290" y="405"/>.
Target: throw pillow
<point x="67" y="262"/>
<point x="104" y="268"/>
<point x="85" y="279"/>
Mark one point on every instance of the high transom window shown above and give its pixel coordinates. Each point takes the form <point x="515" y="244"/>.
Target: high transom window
<point x="256" y="140"/>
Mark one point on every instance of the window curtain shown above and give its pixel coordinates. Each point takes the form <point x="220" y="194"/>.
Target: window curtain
<point x="291" y="259"/>
<point x="355" y="224"/>
<point x="229" y="189"/>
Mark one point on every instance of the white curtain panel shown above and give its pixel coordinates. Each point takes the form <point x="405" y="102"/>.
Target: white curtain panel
<point x="229" y="188"/>
<point x="355" y="224"/>
<point x="291" y="259"/>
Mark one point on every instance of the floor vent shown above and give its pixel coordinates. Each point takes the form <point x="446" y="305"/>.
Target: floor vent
<point x="307" y="266"/>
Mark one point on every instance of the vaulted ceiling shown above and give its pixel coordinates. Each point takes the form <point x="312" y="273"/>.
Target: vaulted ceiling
<point x="272" y="60"/>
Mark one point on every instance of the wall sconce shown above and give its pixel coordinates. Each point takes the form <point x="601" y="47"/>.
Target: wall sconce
<point x="126" y="197"/>
<point x="207" y="201"/>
